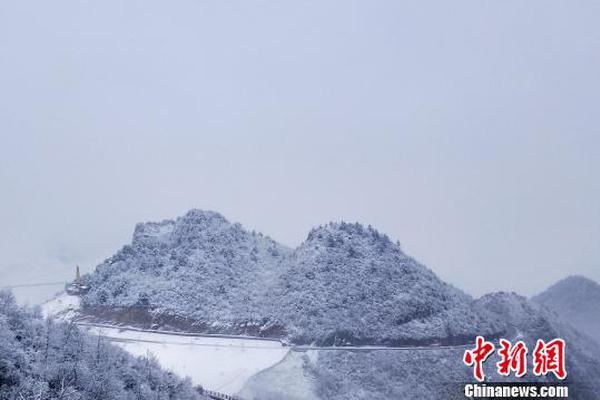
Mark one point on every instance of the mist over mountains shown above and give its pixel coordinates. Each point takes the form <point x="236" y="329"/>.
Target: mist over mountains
<point x="576" y="300"/>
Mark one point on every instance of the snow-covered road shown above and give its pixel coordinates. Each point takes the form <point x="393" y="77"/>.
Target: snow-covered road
<point x="217" y="363"/>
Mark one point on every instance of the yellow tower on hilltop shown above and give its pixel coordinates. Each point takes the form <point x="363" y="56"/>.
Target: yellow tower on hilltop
<point x="76" y="288"/>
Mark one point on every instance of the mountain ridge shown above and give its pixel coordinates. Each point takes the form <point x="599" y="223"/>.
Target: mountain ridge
<point x="345" y="284"/>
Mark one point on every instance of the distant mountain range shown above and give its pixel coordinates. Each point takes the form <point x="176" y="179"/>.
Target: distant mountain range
<point x="347" y="284"/>
<point x="575" y="300"/>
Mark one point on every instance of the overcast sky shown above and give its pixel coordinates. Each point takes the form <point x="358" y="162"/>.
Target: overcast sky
<point x="468" y="130"/>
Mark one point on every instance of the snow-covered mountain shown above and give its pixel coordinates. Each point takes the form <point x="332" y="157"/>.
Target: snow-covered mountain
<point x="576" y="300"/>
<point x="349" y="284"/>
<point x="197" y="272"/>
<point x="346" y="284"/>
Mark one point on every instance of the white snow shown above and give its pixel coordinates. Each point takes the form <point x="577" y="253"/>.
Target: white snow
<point x="63" y="306"/>
<point x="216" y="363"/>
<point x="222" y="364"/>
<point x="288" y="379"/>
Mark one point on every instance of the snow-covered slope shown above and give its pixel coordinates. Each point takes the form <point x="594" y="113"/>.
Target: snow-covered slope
<point x="346" y="284"/>
<point x="45" y="359"/>
<point x="199" y="272"/>
<point x="349" y="284"/>
<point x="376" y="375"/>
<point x="62" y="307"/>
<point x="529" y="321"/>
<point x="575" y="300"/>
<point x="215" y="363"/>
<point x="426" y="373"/>
<point x="291" y="379"/>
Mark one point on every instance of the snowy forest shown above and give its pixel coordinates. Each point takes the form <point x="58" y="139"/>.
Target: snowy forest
<point x="41" y="359"/>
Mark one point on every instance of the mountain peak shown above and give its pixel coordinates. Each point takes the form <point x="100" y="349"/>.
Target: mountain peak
<point x="575" y="299"/>
<point x="575" y="282"/>
<point x="187" y="226"/>
<point x="334" y="233"/>
<point x="198" y="216"/>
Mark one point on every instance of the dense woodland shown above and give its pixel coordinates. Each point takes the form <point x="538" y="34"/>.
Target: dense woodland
<point x="41" y="359"/>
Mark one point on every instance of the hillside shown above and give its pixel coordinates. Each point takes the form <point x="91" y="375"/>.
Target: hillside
<point x="530" y="321"/>
<point x="41" y="359"/>
<point x="349" y="284"/>
<point x="432" y="373"/>
<point x="576" y="300"/>
<point x="197" y="272"/>
<point x="346" y="284"/>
